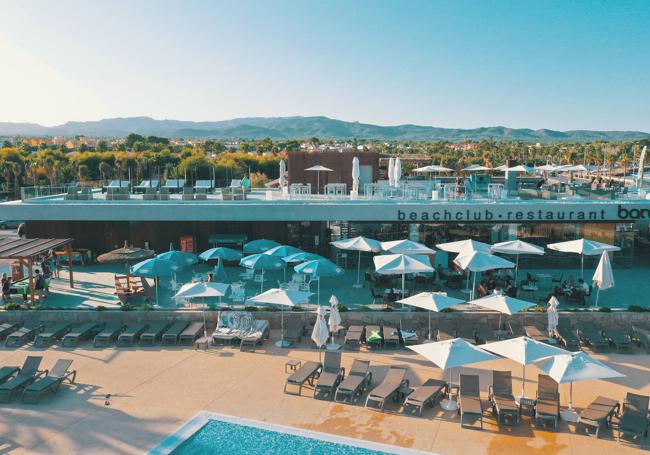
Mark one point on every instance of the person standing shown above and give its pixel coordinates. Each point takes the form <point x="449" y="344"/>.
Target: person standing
<point x="6" y="288"/>
<point x="21" y="231"/>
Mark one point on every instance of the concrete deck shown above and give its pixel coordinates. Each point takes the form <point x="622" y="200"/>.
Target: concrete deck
<point x="154" y="390"/>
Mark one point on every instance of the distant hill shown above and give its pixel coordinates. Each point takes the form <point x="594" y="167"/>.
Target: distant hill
<point x="301" y="128"/>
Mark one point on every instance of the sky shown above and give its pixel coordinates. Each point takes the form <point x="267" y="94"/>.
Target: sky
<point x="460" y="64"/>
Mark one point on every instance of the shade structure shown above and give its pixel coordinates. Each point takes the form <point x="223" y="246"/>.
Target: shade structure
<point x="318" y="169"/>
<point x="283" y="251"/>
<point x="126" y="255"/>
<point x="320" y="333"/>
<point x="476" y="168"/>
<point x="259" y="246"/>
<point x="227" y="254"/>
<point x="319" y="268"/>
<point x="573" y="367"/>
<point x="603" y="276"/>
<point x="502" y="168"/>
<point x="358" y="244"/>
<point x="202" y="290"/>
<point x="524" y="351"/>
<point x="181" y="258"/>
<point x="406" y="246"/>
<point x="517" y="248"/>
<point x="283" y="176"/>
<point x="546" y="168"/>
<point x="220" y="271"/>
<point x="433" y="168"/>
<point x="478" y="261"/>
<point x="355" y="174"/>
<point x="282" y="297"/>
<point x="519" y="168"/>
<point x="397" y="172"/>
<point x="583" y="247"/>
<point x="262" y="262"/>
<point x="464" y="246"/>
<point x="576" y="168"/>
<point x="401" y="264"/>
<point x="502" y="303"/>
<point x="551" y="315"/>
<point x="391" y="171"/>
<point x="154" y="268"/>
<point x="450" y="354"/>
<point x="334" y="322"/>
<point x="302" y="257"/>
<point x="432" y="301"/>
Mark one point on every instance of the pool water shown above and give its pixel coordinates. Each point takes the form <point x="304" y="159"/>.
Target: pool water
<point x="219" y="437"/>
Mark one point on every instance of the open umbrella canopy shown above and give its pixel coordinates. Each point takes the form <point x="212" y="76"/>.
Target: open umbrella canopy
<point x="478" y="261"/>
<point x="432" y="301"/>
<point x="319" y="268"/>
<point x="502" y="303"/>
<point x="406" y="246"/>
<point x="319" y="168"/>
<point x="576" y="168"/>
<point x="476" y="168"/>
<point x="154" y="268"/>
<point x="283" y="297"/>
<point x="283" y="251"/>
<point x="546" y="168"/>
<point x="432" y="169"/>
<point x="464" y="246"/>
<point x="202" y="290"/>
<point x="260" y="246"/>
<point x="517" y="247"/>
<point x="604" y="277"/>
<point x="302" y="257"/>
<point x="577" y="366"/>
<point x="452" y="353"/>
<point x="227" y="254"/>
<point x="395" y="264"/>
<point x="126" y="254"/>
<point x="181" y="258"/>
<point x="358" y="244"/>
<point x="261" y="261"/>
<point x="523" y="350"/>
<point x="583" y="246"/>
<point x="502" y="168"/>
<point x="519" y="168"/>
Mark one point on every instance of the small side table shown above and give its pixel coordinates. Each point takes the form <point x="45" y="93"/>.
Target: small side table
<point x="528" y="405"/>
<point x="292" y="365"/>
<point x="202" y="343"/>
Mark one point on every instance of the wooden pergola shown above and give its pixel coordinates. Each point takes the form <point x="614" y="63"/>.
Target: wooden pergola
<point x="27" y="251"/>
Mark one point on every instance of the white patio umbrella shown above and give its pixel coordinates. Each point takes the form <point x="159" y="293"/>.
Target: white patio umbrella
<point x="397" y="172"/>
<point x="503" y="304"/>
<point x="476" y="168"/>
<point x="318" y="169"/>
<point x="355" y="174"/>
<point x="320" y="334"/>
<point x="576" y="168"/>
<point x="283" y="177"/>
<point x="401" y="264"/>
<point x="451" y="354"/>
<point x="282" y="297"/>
<point x="464" y="246"/>
<point x="603" y="277"/>
<point x="517" y="248"/>
<point x="552" y="316"/>
<point x="432" y="301"/>
<point x="391" y="171"/>
<point x="477" y="261"/>
<point x="502" y="168"/>
<point x="406" y="247"/>
<point x="573" y="367"/>
<point x="583" y="247"/>
<point x="524" y="351"/>
<point x="546" y="168"/>
<point x="358" y="244"/>
<point x="432" y="169"/>
<point x="202" y="289"/>
<point x="334" y="322"/>
<point x="519" y="168"/>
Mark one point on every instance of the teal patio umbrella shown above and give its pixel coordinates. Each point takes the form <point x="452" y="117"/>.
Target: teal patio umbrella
<point x="261" y="262"/>
<point x="318" y="268"/>
<point x="181" y="258"/>
<point x="154" y="268"/>
<point x="283" y="251"/>
<point x="259" y="246"/>
<point x="302" y="257"/>
<point x="220" y="253"/>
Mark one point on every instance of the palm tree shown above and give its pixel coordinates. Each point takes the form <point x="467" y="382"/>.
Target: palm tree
<point x="17" y="170"/>
<point x="105" y="170"/>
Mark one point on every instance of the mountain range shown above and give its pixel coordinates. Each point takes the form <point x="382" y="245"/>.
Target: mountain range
<point x="279" y="128"/>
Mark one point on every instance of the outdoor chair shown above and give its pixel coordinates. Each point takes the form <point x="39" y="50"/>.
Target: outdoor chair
<point x="374" y="336"/>
<point x="618" y="337"/>
<point x="163" y="194"/>
<point x="599" y="413"/>
<point x="8" y="372"/>
<point x="50" y="383"/>
<point x="353" y="337"/>
<point x="149" y="194"/>
<point x="534" y="332"/>
<point x="48" y="336"/>
<point x="392" y="337"/>
<point x="356" y="383"/>
<point x="469" y="398"/>
<point x="394" y="380"/>
<point x="330" y="377"/>
<point x="547" y="407"/>
<point x="503" y="402"/>
<point x="153" y="333"/>
<point x="293" y="330"/>
<point x="108" y="335"/>
<point x="81" y="333"/>
<point x="23" y="335"/>
<point x="191" y="333"/>
<point x="201" y="194"/>
<point x="641" y="336"/>
<point x="7" y="328"/>
<point x="430" y="392"/>
<point x="484" y="334"/>
<point x="592" y="336"/>
<point x="171" y="336"/>
<point x="567" y="335"/>
<point x="467" y="333"/>
<point x="308" y="372"/>
<point x="634" y="417"/>
<point x="446" y="332"/>
<point x="131" y="334"/>
<point x="188" y="194"/>
<point x="260" y="332"/>
<point x="515" y="330"/>
<point x="28" y="374"/>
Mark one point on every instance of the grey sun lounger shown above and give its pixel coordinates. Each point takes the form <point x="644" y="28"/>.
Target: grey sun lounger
<point x="353" y="337"/>
<point x="619" y="338"/>
<point x="23" y="335"/>
<point x="50" y="383"/>
<point x="547" y="408"/>
<point x="153" y="333"/>
<point x="293" y="330"/>
<point x="503" y="402"/>
<point x="172" y="335"/>
<point x="8" y="372"/>
<point x="394" y="380"/>
<point x="428" y="393"/>
<point x="49" y="335"/>
<point x="515" y="330"/>
<point x="592" y="336"/>
<point x="28" y="374"/>
<point x="568" y="336"/>
<point x="642" y="336"/>
<point x="191" y="333"/>
<point x="469" y="398"/>
<point x="7" y="328"/>
<point x="599" y="413"/>
<point x="330" y="376"/>
<point x="391" y="337"/>
<point x="82" y="333"/>
<point x="250" y="340"/>
<point x="308" y="372"/>
<point x="131" y="334"/>
<point x="534" y="332"/>
<point x="485" y="334"/>
<point x="445" y="333"/>
<point x="108" y="335"/>
<point x="356" y="383"/>
<point x="634" y="418"/>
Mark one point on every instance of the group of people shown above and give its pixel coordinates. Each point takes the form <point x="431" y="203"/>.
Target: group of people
<point x="498" y="284"/>
<point x="577" y="292"/>
<point x="48" y="268"/>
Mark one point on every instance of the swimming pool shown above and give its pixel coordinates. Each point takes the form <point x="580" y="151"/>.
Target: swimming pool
<point x="216" y="433"/>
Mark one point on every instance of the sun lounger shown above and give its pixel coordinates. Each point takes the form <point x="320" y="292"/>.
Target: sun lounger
<point x="469" y="398"/>
<point x="23" y="335"/>
<point x="250" y="340"/>
<point x="108" y="335"/>
<point x="171" y="336"/>
<point x="389" y="387"/>
<point x="641" y="336"/>
<point x="293" y="330"/>
<point x="484" y="334"/>
<point x="8" y="372"/>
<point x="503" y="402"/>
<point x="515" y="330"/>
<point x="50" y="383"/>
<point x="330" y="376"/>
<point x="592" y="336"/>
<point x="81" y="333"/>
<point x="467" y="333"/>
<point x="131" y="334"/>
<point x="619" y="338"/>
<point x="306" y="373"/>
<point x="445" y="333"/>
<point x="392" y="337"/>
<point x="534" y="332"/>
<point x="374" y="336"/>
<point x="547" y="408"/>
<point x="428" y="393"/>
<point x="353" y="337"/>
<point x="599" y="413"/>
<point x="153" y="333"/>
<point x="356" y="383"/>
<point x="7" y="328"/>
<point x="28" y="374"/>
<point x="568" y="336"/>
<point x="634" y="418"/>
<point x="191" y="333"/>
<point x="48" y="336"/>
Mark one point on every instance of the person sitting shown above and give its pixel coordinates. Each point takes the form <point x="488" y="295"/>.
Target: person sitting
<point x="530" y="278"/>
<point x="482" y="289"/>
<point x="497" y="290"/>
<point x="39" y="285"/>
<point x="510" y="290"/>
<point x="210" y="277"/>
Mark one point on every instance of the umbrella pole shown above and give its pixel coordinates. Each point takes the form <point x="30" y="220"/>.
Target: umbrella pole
<point x="473" y="285"/>
<point x="570" y="396"/>
<point x="318" y="297"/>
<point x="523" y="382"/>
<point x="516" y="270"/>
<point x="156" y="280"/>
<point x="358" y="285"/>
<point x="262" y="282"/>
<point x="429" y="325"/>
<point x="582" y="266"/>
<point x="403" y="279"/>
<point x="597" y="296"/>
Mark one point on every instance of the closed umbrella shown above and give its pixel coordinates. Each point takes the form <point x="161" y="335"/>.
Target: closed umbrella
<point x="603" y="277"/>
<point x="220" y="271"/>
<point x="281" y="297"/>
<point x="355" y="175"/>
<point x="503" y="304"/>
<point x="319" y="268"/>
<point x="227" y="254"/>
<point x="477" y="261"/>
<point x="318" y="169"/>
<point x="283" y="251"/>
<point x="320" y="334"/>
<point x="261" y="262"/>
<point x="432" y="301"/>
<point x="259" y="246"/>
<point x="397" y="172"/>
<point x="401" y="264"/>
<point x="391" y="171"/>
<point x="154" y="268"/>
<point x="358" y="244"/>
<point x="126" y="255"/>
<point x="406" y="246"/>
<point x="451" y="354"/>
<point x="552" y="316"/>
<point x="283" y="172"/>
<point x="583" y="247"/>
<point x="573" y="367"/>
<point x="517" y="248"/>
<point x="334" y="322"/>
<point x="524" y="351"/>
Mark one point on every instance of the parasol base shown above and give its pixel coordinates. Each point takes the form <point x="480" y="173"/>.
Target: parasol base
<point x="282" y="344"/>
<point x="333" y="347"/>
<point x="569" y="415"/>
<point x="357" y="285"/>
<point x="449" y="405"/>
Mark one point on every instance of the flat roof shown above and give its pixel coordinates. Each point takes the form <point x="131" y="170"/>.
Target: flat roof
<point x="12" y="248"/>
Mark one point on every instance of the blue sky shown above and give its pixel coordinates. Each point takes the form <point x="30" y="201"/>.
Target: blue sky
<point x="537" y="64"/>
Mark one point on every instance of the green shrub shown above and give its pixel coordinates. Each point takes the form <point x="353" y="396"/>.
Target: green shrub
<point x="127" y="307"/>
<point x="297" y="308"/>
<point x="637" y="309"/>
<point x="342" y="308"/>
<point x="604" y="309"/>
<point x="250" y="308"/>
<point x="145" y="307"/>
<point x="363" y="308"/>
<point x="100" y="308"/>
<point x="12" y="306"/>
<point x="212" y="307"/>
<point x="387" y="309"/>
<point x="39" y="308"/>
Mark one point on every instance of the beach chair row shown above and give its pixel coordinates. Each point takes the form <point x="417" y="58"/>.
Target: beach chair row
<point x="373" y="337"/>
<point x="30" y="383"/>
